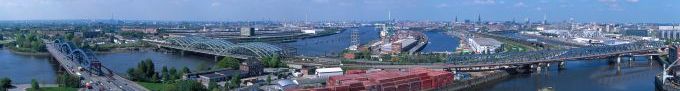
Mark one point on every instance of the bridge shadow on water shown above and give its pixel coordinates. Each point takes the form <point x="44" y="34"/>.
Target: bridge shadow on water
<point x="585" y="75"/>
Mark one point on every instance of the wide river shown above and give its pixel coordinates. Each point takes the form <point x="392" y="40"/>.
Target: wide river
<point x="588" y="75"/>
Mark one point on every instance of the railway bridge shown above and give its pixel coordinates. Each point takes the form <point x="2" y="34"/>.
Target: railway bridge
<point x="219" y="47"/>
<point x="476" y="62"/>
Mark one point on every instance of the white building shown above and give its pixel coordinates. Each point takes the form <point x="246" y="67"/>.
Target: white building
<point x="312" y="31"/>
<point x="480" y="45"/>
<point x="668" y="34"/>
<point x="327" y="72"/>
<point x="669" y="27"/>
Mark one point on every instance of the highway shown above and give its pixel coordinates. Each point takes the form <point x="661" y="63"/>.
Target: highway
<point x="108" y="82"/>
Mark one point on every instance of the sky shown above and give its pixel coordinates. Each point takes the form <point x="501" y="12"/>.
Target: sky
<point x="633" y="11"/>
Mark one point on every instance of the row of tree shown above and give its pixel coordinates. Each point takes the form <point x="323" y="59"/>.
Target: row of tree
<point x="146" y="72"/>
<point x="29" y="42"/>
<point x="273" y="61"/>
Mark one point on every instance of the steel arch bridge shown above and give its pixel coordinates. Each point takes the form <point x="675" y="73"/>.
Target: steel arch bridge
<point x="531" y="57"/>
<point x="224" y="47"/>
<point x="81" y="56"/>
<point x="552" y="55"/>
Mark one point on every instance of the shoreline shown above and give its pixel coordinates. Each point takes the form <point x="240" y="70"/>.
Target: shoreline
<point x="115" y="50"/>
<point x="27" y="53"/>
<point x="476" y="82"/>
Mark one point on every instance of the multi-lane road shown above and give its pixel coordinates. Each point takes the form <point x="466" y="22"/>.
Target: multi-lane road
<point x="108" y="82"/>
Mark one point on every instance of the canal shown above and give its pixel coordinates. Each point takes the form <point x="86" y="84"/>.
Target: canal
<point x="440" y="42"/>
<point x="332" y="45"/>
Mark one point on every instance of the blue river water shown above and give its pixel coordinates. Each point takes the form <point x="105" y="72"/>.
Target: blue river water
<point x="589" y="75"/>
<point x="440" y="42"/>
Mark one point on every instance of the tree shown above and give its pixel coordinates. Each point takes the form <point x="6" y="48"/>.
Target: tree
<point x="185" y="70"/>
<point x="203" y="67"/>
<point x="228" y="62"/>
<point x="165" y="75"/>
<point x="235" y="81"/>
<point x="154" y="78"/>
<point x="145" y="72"/>
<point x="212" y="85"/>
<point x="173" y="74"/>
<point x="66" y="80"/>
<point x="131" y="74"/>
<point x="5" y="82"/>
<point x="269" y="79"/>
<point x="188" y="85"/>
<point x="34" y="84"/>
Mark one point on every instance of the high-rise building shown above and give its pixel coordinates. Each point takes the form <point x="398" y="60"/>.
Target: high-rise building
<point x="247" y="31"/>
<point x="456" y="19"/>
<point x="479" y="19"/>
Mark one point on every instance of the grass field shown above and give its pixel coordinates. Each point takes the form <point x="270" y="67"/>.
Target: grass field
<point x="53" y="89"/>
<point x="155" y="86"/>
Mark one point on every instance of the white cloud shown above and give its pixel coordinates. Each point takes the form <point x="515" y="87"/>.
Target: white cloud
<point x="539" y="9"/>
<point x="320" y="1"/>
<point x="484" y="1"/>
<point x="633" y="1"/>
<point x="520" y="4"/>
<point x="443" y="5"/>
<point x="215" y="4"/>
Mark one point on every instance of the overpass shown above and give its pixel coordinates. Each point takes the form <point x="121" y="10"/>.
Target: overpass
<point x="219" y="47"/>
<point x="518" y="59"/>
<point x="83" y="63"/>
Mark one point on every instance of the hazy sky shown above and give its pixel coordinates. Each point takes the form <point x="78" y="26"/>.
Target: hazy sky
<point x="315" y="10"/>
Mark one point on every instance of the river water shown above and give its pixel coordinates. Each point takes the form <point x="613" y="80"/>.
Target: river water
<point x="332" y="45"/>
<point x="440" y="42"/>
<point x="22" y="68"/>
<point x="587" y="75"/>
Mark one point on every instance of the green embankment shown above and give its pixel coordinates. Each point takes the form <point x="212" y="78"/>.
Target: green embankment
<point x="155" y="86"/>
<point x="53" y="89"/>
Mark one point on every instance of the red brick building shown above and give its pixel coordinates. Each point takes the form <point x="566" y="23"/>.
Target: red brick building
<point x="415" y="79"/>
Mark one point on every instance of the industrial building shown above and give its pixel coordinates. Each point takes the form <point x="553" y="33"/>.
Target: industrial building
<point x="668" y="34"/>
<point x="328" y="72"/>
<point x="414" y="79"/>
<point x="247" y="31"/>
<point x="481" y="45"/>
<point x="248" y="68"/>
<point x="312" y="31"/>
<point x="399" y="45"/>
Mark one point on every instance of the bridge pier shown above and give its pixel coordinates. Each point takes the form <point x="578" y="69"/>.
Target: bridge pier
<point x="651" y="58"/>
<point x="217" y="58"/>
<point x="561" y="65"/>
<point x="617" y="60"/>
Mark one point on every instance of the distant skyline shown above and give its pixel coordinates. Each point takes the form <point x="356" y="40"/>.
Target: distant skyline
<point x="635" y="11"/>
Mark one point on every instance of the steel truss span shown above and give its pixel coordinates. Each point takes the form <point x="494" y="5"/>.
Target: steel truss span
<point x="553" y="55"/>
<point x="225" y="47"/>
<point x="83" y="57"/>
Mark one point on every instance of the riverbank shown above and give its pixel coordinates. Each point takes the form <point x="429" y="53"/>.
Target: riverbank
<point x="658" y="80"/>
<point x="14" y="51"/>
<point x="44" y="87"/>
<point x="476" y="80"/>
